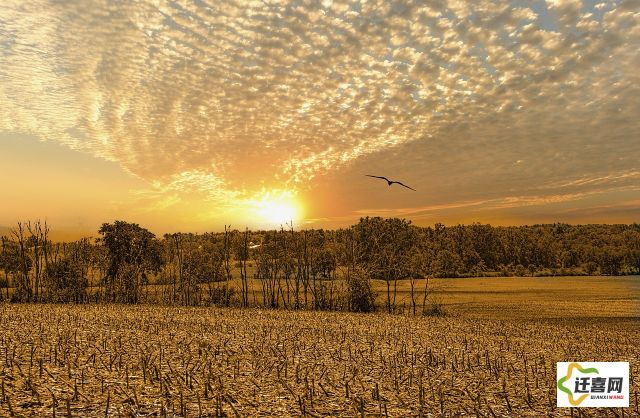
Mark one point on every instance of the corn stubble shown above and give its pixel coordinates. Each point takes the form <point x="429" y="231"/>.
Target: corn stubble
<point x="121" y="361"/>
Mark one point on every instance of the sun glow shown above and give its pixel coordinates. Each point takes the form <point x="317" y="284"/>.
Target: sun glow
<point x="278" y="207"/>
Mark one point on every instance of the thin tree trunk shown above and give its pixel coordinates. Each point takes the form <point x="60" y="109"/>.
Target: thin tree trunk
<point x="424" y="297"/>
<point x="413" y="299"/>
<point x="388" y="295"/>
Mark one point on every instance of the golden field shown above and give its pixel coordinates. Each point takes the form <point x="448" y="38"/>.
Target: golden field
<point x="492" y="355"/>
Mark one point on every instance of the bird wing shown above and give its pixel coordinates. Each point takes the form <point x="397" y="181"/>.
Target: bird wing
<point x="402" y="184"/>
<point x="378" y="177"/>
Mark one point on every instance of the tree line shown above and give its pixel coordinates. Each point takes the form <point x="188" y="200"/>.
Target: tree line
<point x="307" y="269"/>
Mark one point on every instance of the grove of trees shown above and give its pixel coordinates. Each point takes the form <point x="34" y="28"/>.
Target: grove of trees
<point x="308" y="269"/>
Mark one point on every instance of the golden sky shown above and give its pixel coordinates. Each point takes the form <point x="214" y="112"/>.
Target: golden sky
<point x="186" y="115"/>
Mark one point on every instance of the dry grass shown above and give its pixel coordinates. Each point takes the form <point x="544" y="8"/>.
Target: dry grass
<point x="496" y="297"/>
<point x="532" y="297"/>
<point x="85" y="361"/>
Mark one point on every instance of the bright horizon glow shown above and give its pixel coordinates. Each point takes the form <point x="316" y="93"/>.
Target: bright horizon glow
<point x="277" y="207"/>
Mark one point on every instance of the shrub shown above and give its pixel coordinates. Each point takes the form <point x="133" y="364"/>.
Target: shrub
<point x="221" y="295"/>
<point x="65" y="282"/>
<point x="434" y="309"/>
<point x="361" y="296"/>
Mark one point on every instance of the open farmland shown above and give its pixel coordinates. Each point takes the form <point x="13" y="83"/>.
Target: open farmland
<point x="530" y="297"/>
<point x="488" y="297"/>
<point x="114" y="360"/>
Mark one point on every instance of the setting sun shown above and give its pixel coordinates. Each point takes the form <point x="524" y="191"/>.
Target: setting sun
<point x="278" y="207"/>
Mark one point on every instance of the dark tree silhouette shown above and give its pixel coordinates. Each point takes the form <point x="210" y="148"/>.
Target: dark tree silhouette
<point x="310" y="269"/>
<point x="386" y="250"/>
<point x="65" y="282"/>
<point x="133" y="253"/>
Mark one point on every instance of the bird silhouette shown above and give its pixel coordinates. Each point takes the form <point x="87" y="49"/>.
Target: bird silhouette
<point x="390" y="182"/>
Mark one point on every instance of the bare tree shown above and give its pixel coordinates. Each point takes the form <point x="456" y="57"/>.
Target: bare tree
<point x="179" y="277"/>
<point x="8" y="262"/>
<point x="24" y="291"/>
<point x="227" y="259"/>
<point x="38" y="244"/>
<point x="242" y="256"/>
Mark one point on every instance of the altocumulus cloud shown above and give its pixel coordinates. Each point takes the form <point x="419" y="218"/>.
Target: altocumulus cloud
<point x="186" y="94"/>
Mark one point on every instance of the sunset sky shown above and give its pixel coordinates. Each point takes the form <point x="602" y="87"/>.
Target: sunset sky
<point x="188" y="115"/>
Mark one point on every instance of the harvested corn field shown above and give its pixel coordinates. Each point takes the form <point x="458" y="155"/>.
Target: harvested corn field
<point x="113" y="360"/>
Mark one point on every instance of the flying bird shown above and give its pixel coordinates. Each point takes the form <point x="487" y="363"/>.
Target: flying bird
<point x="390" y="182"/>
